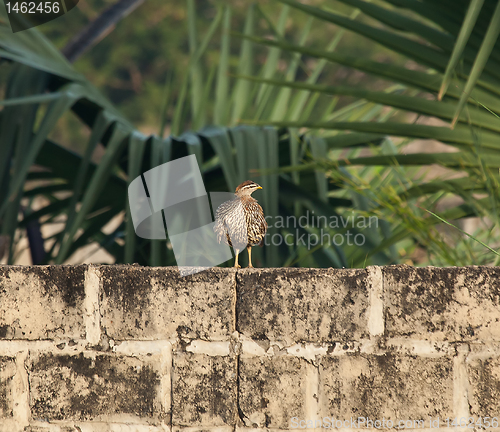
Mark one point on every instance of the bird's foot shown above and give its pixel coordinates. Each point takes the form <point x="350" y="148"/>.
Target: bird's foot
<point x="237" y="266"/>
<point x="250" y="266"/>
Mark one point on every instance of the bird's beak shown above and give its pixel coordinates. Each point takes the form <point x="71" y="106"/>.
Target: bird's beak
<point x="260" y="187"/>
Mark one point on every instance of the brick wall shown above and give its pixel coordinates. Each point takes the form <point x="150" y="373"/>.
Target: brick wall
<point x="129" y="348"/>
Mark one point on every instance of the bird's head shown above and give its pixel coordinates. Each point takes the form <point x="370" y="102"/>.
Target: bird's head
<point x="247" y="188"/>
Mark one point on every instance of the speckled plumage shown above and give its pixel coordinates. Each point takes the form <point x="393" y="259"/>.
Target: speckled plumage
<point x="240" y="222"/>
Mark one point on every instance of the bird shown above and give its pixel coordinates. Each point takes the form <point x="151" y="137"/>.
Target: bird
<point x="240" y="222"/>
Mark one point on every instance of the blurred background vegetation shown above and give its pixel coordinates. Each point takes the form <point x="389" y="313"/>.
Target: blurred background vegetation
<point x="344" y="108"/>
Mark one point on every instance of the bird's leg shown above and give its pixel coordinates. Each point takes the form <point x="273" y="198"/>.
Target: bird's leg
<point x="236" y="265"/>
<point x="249" y="249"/>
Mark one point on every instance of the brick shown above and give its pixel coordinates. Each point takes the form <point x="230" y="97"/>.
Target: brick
<point x="7" y="373"/>
<point x="201" y="429"/>
<point x="41" y="302"/>
<point x="156" y="303"/>
<point x="309" y="305"/>
<point x="54" y="428"/>
<point x="443" y="304"/>
<point x="484" y="381"/>
<point x="96" y="427"/>
<point x="272" y="390"/>
<point x="386" y="386"/>
<point x="95" y="387"/>
<point x="204" y="390"/>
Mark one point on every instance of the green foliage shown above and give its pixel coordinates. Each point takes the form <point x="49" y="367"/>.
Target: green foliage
<point x="95" y="193"/>
<point x="455" y="82"/>
<point x="307" y="163"/>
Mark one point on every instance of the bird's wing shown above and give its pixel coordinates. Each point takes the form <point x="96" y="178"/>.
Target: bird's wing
<point x="220" y="228"/>
<point x="222" y="213"/>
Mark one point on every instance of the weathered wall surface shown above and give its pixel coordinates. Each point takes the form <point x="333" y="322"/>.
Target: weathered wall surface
<point x="128" y="348"/>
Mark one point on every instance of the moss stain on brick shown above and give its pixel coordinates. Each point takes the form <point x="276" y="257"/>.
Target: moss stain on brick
<point x="84" y="388"/>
